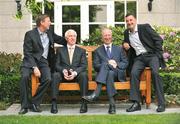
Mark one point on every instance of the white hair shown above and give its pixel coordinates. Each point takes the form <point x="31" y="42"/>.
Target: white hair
<point x="105" y="29"/>
<point x="70" y="31"/>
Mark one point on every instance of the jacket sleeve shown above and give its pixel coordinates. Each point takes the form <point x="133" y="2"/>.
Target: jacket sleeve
<point x="58" y="39"/>
<point x="123" y="62"/>
<point x="99" y="59"/>
<point x="83" y="62"/>
<point x="96" y="61"/>
<point x="58" y="66"/>
<point x="158" y="42"/>
<point x="28" y="59"/>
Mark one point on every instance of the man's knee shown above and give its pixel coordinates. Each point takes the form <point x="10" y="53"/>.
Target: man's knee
<point x="111" y="73"/>
<point x="82" y="75"/>
<point x="154" y="73"/>
<point x="25" y="77"/>
<point x="56" y="77"/>
<point x="135" y="73"/>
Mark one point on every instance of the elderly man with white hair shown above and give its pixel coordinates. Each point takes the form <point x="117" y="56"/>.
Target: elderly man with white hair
<point x="71" y="64"/>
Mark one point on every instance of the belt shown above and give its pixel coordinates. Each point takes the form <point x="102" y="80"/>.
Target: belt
<point x="145" y="53"/>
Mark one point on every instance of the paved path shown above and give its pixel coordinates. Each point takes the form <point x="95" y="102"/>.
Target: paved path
<point x="93" y="109"/>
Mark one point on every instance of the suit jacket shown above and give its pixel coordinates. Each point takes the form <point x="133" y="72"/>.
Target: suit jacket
<point x="79" y="61"/>
<point x="150" y="40"/>
<point x="117" y="53"/>
<point x="33" y="48"/>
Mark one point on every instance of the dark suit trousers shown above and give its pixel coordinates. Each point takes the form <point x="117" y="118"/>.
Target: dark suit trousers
<point x="25" y="88"/>
<point x="58" y="77"/>
<point x="140" y="63"/>
<point x="107" y="75"/>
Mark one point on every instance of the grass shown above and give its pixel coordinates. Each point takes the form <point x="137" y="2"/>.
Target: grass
<point x="93" y="119"/>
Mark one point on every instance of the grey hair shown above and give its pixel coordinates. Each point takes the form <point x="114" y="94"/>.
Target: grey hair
<point x="102" y="31"/>
<point x="68" y="31"/>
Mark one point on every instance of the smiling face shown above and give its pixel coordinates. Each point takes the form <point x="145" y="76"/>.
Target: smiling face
<point x="45" y="24"/>
<point x="131" y="22"/>
<point x="107" y="36"/>
<point x="71" y="36"/>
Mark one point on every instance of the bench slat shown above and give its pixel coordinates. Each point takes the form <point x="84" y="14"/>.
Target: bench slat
<point x="92" y="86"/>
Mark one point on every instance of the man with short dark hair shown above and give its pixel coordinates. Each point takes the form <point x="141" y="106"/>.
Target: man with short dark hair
<point x="144" y="47"/>
<point x="38" y="49"/>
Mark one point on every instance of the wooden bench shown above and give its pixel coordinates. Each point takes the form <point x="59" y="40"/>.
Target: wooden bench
<point x="145" y="80"/>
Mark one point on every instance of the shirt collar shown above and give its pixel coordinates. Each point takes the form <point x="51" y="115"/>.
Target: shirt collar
<point x="110" y="45"/>
<point x="40" y="32"/>
<point x="73" y="47"/>
<point x="135" y="30"/>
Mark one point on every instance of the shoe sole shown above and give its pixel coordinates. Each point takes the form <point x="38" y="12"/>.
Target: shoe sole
<point x="88" y="100"/>
<point x="134" y="110"/>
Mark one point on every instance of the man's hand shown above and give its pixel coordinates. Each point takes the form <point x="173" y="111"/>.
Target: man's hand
<point x="113" y="63"/>
<point x="65" y="72"/>
<point x="37" y="72"/>
<point x="126" y="46"/>
<point x="72" y="75"/>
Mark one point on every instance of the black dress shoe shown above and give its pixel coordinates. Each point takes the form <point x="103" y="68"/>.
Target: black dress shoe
<point x="83" y="108"/>
<point x="54" y="109"/>
<point x="36" y="108"/>
<point x="112" y="109"/>
<point x="90" y="98"/>
<point x="161" y="108"/>
<point x="134" y="107"/>
<point x="23" y="111"/>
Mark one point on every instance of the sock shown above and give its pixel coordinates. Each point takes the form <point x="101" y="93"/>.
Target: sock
<point x="111" y="100"/>
<point x="98" y="89"/>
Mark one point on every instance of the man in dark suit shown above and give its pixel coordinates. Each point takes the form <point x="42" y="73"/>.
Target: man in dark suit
<point x="110" y="64"/>
<point x="38" y="58"/>
<point x="71" y="66"/>
<point x="144" y="48"/>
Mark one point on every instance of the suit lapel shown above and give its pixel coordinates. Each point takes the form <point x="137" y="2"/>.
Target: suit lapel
<point x="140" y="32"/>
<point x="66" y="55"/>
<point x="74" y="54"/>
<point x="127" y="36"/>
<point x="113" y="51"/>
<point x="103" y="51"/>
<point x="37" y="37"/>
<point x="50" y="38"/>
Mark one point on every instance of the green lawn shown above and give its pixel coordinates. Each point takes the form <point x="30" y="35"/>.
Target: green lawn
<point x="95" y="119"/>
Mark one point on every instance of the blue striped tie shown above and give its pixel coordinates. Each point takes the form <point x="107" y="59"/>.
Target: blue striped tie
<point x="108" y="51"/>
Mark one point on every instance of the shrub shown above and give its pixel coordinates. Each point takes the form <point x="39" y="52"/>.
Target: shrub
<point x="95" y="38"/>
<point x="171" y="83"/>
<point x="172" y="99"/>
<point x="171" y="46"/>
<point x="9" y="76"/>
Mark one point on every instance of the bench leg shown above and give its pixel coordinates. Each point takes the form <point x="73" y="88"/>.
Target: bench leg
<point x="148" y="98"/>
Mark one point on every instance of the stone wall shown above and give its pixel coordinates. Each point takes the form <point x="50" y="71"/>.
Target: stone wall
<point x="12" y="30"/>
<point x="164" y="12"/>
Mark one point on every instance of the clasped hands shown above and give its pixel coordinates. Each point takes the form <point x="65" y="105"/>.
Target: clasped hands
<point x="113" y="63"/>
<point x="69" y="74"/>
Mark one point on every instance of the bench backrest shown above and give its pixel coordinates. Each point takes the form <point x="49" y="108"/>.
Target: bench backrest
<point x="89" y="50"/>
